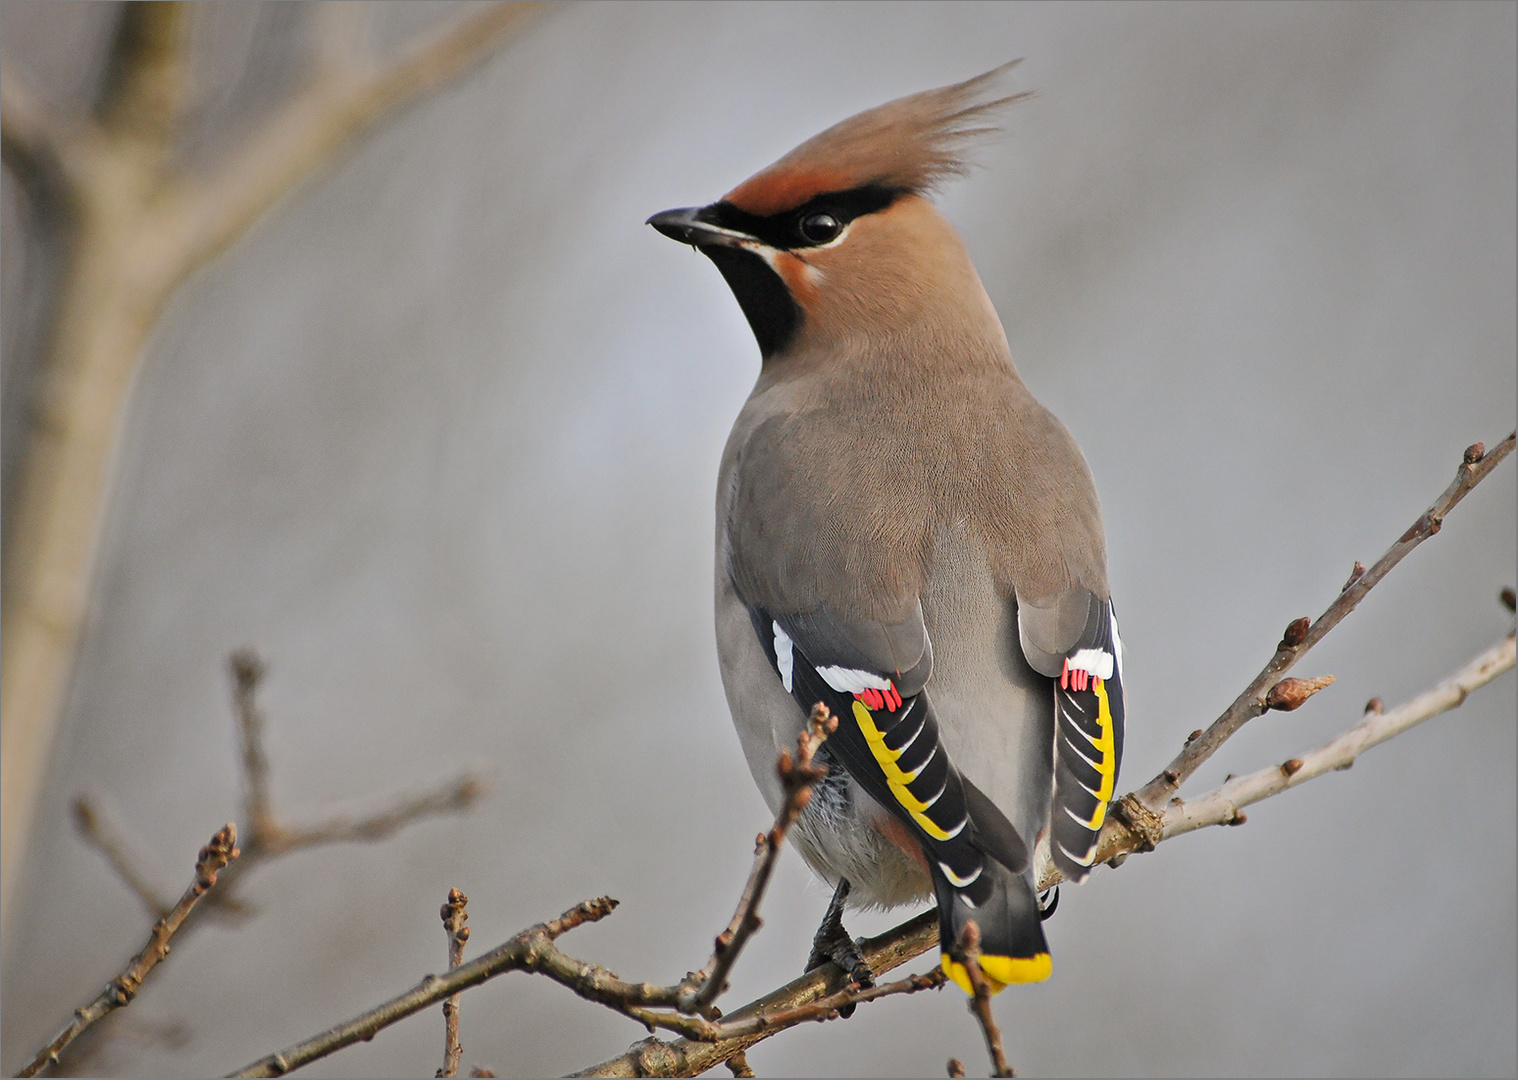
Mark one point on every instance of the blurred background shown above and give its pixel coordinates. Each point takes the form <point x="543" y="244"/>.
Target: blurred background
<point x="438" y="436"/>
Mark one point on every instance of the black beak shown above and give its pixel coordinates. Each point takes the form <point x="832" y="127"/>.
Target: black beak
<point x="696" y="226"/>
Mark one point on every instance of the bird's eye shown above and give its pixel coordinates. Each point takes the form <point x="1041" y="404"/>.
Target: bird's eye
<point x="820" y="228"/>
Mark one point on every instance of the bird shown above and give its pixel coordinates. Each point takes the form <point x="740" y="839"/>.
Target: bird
<point x="906" y="536"/>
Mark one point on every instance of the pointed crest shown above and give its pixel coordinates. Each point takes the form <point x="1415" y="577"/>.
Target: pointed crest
<point x="910" y="144"/>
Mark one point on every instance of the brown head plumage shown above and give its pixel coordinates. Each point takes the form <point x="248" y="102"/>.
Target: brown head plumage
<point x="837" y="239"/>
<point x="908" y="145"/>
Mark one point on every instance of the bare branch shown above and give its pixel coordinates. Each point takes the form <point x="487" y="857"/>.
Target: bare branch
<point x="688" y="1057"/>
<point x="815" y="997"/>
<point x="517" y="954"/>
<point x="37" y="142"/>
<point x="644" y="1002"/>
<point x="454" y="917"/>
<point x="269" y="837"/>
<point x="119" y="991"/>
<point x="980" y="998"/>
<point x="1140" y="828"/>
<point x="599" y="985"/>
<point x="1476" y="465"/>
<point x="1222" y="805"/>
<point x="339" y="103"/>
<point x="247" y="672"/>
<point x="101" y="832"/>
<point x="144" y="93"/>
<point x="797" y="779"/>
<point x="819" y="994"/>
<point x="765" y="1024"/>
<point x="451" y="797"/>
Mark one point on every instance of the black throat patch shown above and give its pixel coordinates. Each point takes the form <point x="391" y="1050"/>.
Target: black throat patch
<point x="767" y="304"/>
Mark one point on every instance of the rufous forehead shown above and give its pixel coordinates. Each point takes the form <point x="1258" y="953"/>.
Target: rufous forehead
<point x="777" y="190"/>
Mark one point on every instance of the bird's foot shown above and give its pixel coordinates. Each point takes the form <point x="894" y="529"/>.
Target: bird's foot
<point x="833" y="945"/>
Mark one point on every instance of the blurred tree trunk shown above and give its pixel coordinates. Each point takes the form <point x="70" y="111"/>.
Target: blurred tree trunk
<point x="135" y="224"/>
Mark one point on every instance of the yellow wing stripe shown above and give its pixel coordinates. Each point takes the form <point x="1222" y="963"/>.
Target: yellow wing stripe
<point x="1000" y="971"/>
<point x="897" y="780"/>
<point x="1105" y="749"/>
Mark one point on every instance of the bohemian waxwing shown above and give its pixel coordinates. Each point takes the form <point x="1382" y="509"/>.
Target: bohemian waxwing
<point x="905" y="535"/>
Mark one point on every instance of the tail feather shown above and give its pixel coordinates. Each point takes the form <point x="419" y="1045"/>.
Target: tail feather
<point x="1005" y="908"/>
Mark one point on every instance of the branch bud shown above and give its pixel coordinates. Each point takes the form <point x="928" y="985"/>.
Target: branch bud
<point x="1375" y="705"/>
<point x="1292" y="766"/>
<point x="1508" y="597"/>
<point x="1289" y="694"/>
<point x="1354" y="575"/>
<point x="1475" y="452"/>
<point x="1296" y="633"/>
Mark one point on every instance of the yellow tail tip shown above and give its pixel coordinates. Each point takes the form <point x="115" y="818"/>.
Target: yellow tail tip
<point x="1000" y="971"/>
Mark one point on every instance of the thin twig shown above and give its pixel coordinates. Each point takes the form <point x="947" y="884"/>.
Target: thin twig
<point x="816" y="995"/>
<point x="520" y="953"/>
<point x="827" y="1008"/>
<point x="968" y="949"/>
<point x="797" y="778"/>
<point x="119" y="991"/>
<point x="338" y="103"/>
<point x="454" y="917"/>
<point x="102" y="833"/>
<point x="817" y="998"/>
<point x="449" y="797"/>
<point x="1223" y="805"/>
<point x="690" y="1057"/>
<point x="270" y="838"/>
<point x="247" y="673"/>
<point x="1475" y="467"/>
<point x="534" y="950"/>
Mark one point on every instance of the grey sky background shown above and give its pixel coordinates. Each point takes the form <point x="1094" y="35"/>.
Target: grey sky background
<point x="440" y="436"/>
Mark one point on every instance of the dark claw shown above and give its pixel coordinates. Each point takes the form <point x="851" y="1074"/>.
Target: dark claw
<point x="833" y="945"/>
